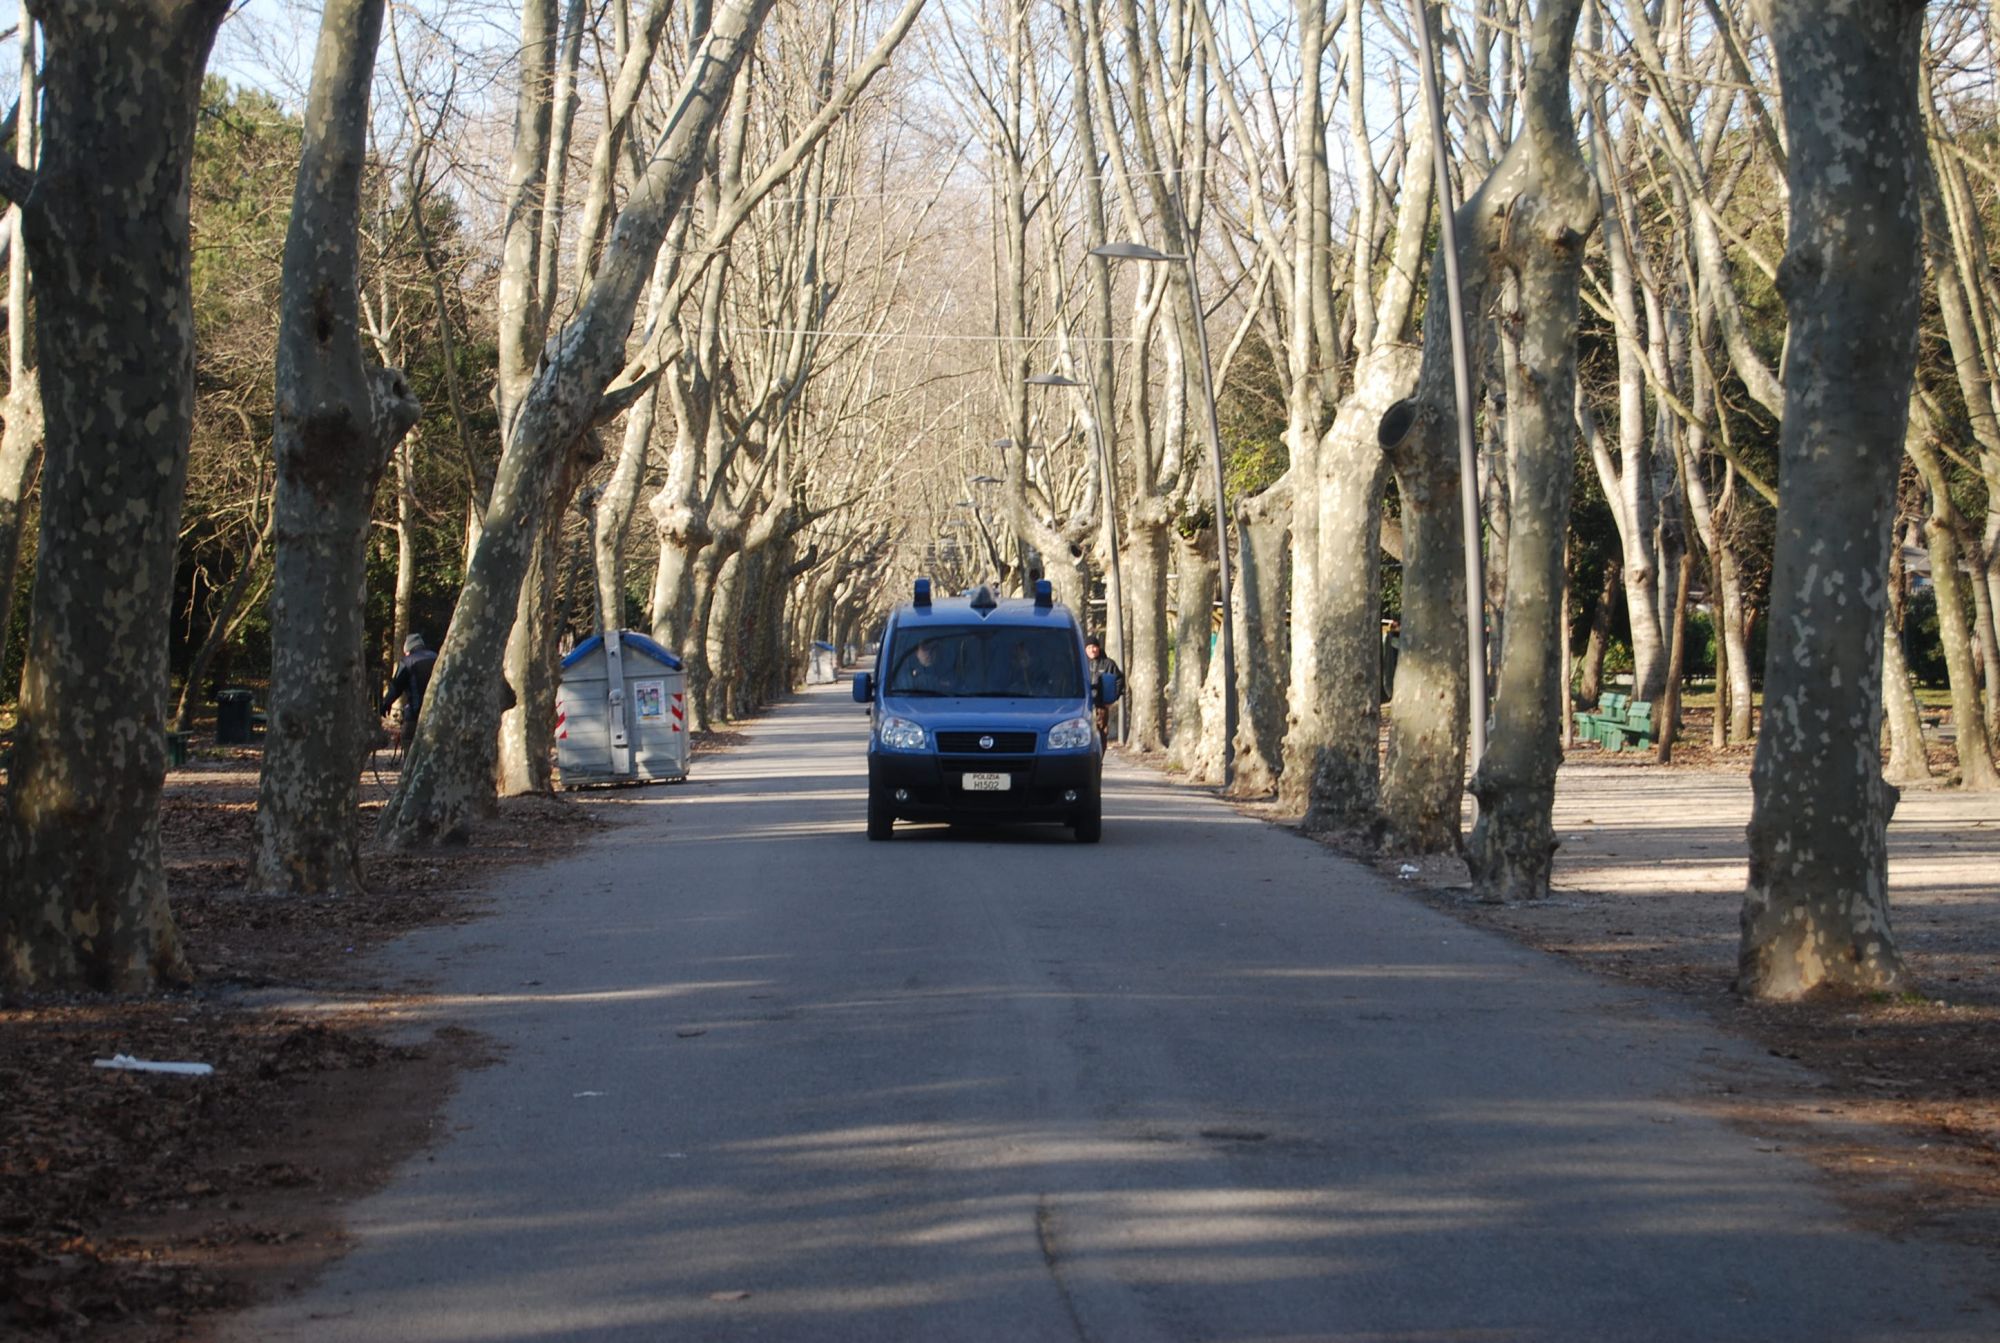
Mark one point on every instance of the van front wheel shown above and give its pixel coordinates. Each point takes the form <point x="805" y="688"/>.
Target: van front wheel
<point x="881" y="820"/>
<point x="1089" y="825"/>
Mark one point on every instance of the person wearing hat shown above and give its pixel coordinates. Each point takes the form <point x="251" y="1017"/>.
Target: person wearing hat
<point x="413" y="677"/>
<point x="1100" y="662"/>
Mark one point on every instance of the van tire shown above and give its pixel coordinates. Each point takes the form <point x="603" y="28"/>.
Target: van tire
<point x="881" y="820"/>
<point x="1089" y="825"/>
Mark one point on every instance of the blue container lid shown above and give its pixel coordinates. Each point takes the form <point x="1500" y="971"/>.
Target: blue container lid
<point x="626" y="639"/>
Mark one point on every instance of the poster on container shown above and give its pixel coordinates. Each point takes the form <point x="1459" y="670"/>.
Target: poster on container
<point x="651" y="699"/>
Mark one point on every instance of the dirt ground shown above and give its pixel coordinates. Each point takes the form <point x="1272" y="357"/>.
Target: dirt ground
<point x="136" y="1206"/>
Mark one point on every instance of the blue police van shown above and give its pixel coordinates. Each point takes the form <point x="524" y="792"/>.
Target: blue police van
<point x="981" y="710"/>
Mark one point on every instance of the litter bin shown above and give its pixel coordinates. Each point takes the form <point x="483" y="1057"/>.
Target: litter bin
<point x="232" y="717"/>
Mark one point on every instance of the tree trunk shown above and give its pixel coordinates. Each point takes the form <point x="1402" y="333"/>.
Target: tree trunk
<point x="1736" y="634"/>
<point x="20" y="457"/>
<point x="615" y="508"/>
<point x="21" y="438"/>
<point x="522" y="765"/>
<point x="1194" y="605"/>
<point x="1667" y="723"/>
<point x="1261" y="665"/>
<point x="1941" y="535"/>
<point x="1339" y="778"/>
<point x="1513" y="842"/>
<point x="684" y="536"/>
<point x="444" y="785"/>
<point x="1146" y="553"/>
<point x="725" y="592"/>
<point x="1590" y="675"/>
<point x="402" y="611"/>
<point x="1628" y="482"/>
<point x="1985" y="634"/>
<point x="82" y="890"/>
<point x="1423" y="777"/>
<point x="1816" y="911"/>
<point x="1909" y="762"/>
<point x="335" y="427"/>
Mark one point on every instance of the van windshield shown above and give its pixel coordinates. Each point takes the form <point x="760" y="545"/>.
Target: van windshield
<point x="977" y="661"/>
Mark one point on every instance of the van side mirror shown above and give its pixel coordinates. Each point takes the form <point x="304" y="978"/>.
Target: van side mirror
<point x="864" y="687"/>
<point x="1108" y="688"/>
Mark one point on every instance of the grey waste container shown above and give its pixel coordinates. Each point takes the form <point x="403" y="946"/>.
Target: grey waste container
<point x="232" y="717"/>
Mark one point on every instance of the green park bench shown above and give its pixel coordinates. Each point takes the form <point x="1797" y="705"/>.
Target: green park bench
<point x="1610" y="709"/>
<point x="1618" y="723"/>
<point x="1634" y="733"/>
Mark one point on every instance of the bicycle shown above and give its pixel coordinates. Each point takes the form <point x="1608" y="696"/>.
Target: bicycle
<point x="386" y="754"/>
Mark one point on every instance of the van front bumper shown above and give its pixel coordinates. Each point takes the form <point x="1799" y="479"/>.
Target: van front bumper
<point x="923" y="786"/>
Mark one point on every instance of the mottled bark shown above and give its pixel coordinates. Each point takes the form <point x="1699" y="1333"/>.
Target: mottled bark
<point x="1590" y="671"/>
<point x="444" y="786"/>
<point x="1141" y="712"/>
<point x="82" y="890"/>
<point x="1667" y="713"/>
<point x="402" y="604"/>
<point x="1816" y="910"/>
<point x="1424" y="774"/>
<point x="1908" y="761"/>
<point x="1513" y="842"/>
<point x="519" y="323"/>
<point x="679" y="511"/>
<point x="1953" y="253"/>
<point x="336" y="424"/>
<point x="1628" y="480"/>
<point x="531" y="664"/>
<point x="1194" y="605"/>
<point x="1942" y="532"/>
<point x="1263" y="662"/>
<point x="1343" y="771"/>
<point x="1146" y="549"/>
<point x="1309" y="385"/>
<point x="616" y="506"/>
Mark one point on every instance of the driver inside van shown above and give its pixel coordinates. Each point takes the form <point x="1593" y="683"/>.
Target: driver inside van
<point x="927" y="669"/>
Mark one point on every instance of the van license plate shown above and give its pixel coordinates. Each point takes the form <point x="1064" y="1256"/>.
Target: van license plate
<point x="988" y="783"/>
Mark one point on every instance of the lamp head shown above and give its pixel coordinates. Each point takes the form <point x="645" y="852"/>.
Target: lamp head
<point x="1132" y="251"/>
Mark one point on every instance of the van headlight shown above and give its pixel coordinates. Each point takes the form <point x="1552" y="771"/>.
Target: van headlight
<point x="900" y="734"/>
<point x="1072" y="735"/>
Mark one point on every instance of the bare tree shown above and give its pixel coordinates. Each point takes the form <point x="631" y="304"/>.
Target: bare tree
<point x="1816" y="912"/>
<point x="447" y="781"/>
<point x="1549" y="209"/>
<point x="82" y="888"/>
<point x="337" y="424"/>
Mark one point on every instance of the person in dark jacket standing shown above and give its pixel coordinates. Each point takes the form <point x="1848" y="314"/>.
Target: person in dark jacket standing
<point x="1093" y="648"/>
<point x="413" y="677"/>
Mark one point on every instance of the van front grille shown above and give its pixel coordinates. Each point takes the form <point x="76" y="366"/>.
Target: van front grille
<point x="1004" y="743"/>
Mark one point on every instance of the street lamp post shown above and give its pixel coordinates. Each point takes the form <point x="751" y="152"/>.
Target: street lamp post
<point x="1115" y="594"/>
<point x="1132" y="251"/>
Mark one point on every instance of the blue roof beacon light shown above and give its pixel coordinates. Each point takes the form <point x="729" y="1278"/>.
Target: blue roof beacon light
<point x="1045" y="594"/>
<point x="924" y="592"/>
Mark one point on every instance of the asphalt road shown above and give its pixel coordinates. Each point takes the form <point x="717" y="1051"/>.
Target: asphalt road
<point x="762" y="1079"/>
